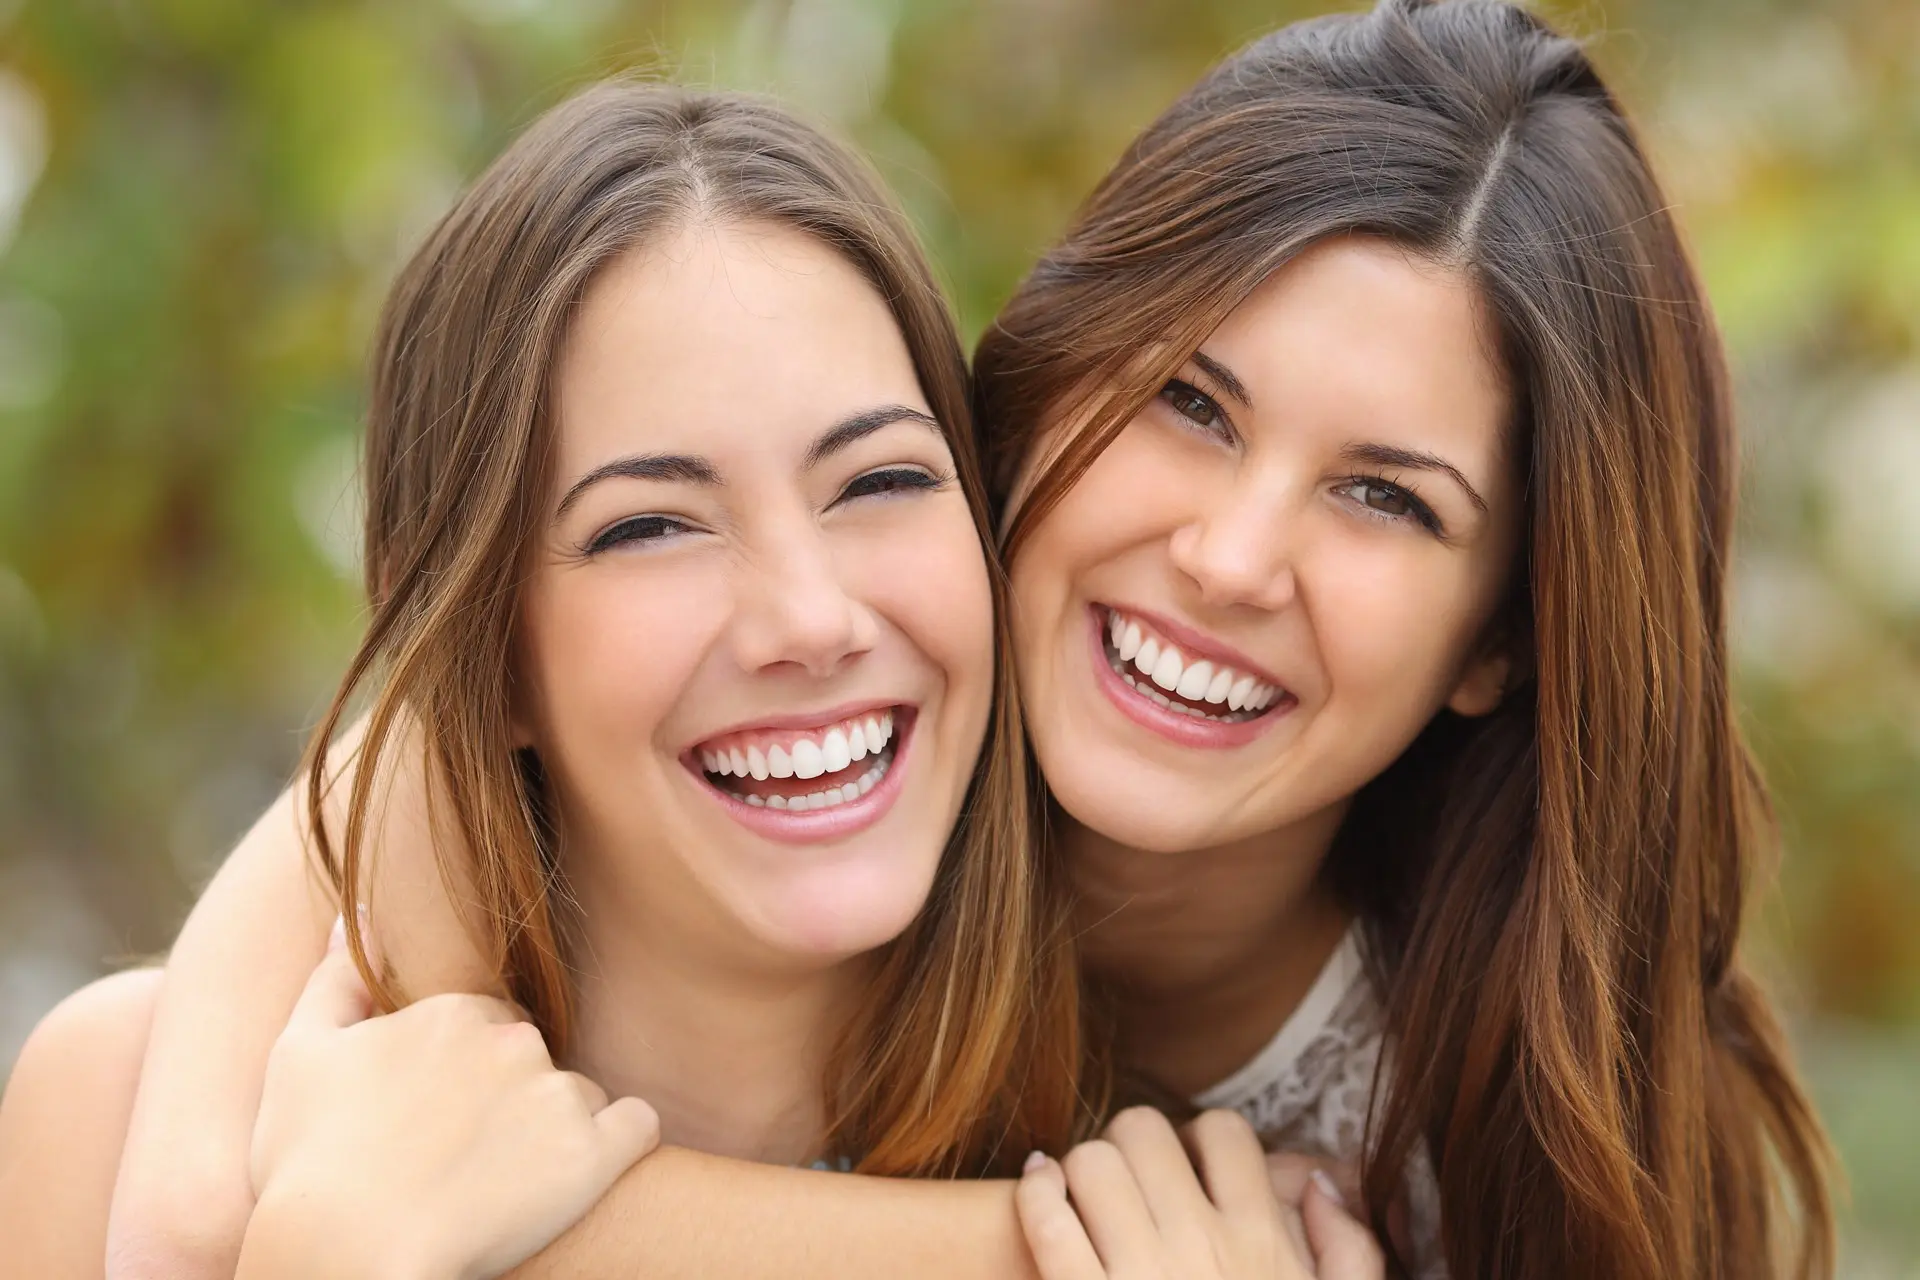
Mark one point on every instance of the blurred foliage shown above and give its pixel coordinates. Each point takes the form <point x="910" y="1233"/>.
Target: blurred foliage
<point x="201" y="202"/>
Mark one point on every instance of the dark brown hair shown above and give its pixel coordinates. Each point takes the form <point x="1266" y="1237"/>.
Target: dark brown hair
<point x="1554" y="892"/>
<point x="966" y="1057"/>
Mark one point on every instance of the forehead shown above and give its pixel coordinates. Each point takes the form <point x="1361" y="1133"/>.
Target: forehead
<point x="724" y="336"/>
<point x="1369" y="340"/>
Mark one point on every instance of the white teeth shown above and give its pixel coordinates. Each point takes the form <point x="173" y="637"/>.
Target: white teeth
<point x="835" y="751"/>
<point x="1148" y="655"/>
<point x="1116" y="629"/>
<point x="808" y="760"/>
<point x="1166" y="672"/>
<point x="1222" y="681"/>
<point x="1130" y="643"/>
<point x="1238" y="695"/>
<point x="1194" y="681"/>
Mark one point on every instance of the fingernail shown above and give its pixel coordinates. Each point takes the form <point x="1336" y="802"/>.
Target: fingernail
<point x="337" y="939"/>
<point x="1328" y="1188"/>
<point x="1035" y="1160"/>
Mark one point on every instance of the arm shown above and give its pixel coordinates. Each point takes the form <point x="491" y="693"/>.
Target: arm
<point x="681" y="1214"/>
<point x="181" y="1203"/>
<point x="62" y="1123"/>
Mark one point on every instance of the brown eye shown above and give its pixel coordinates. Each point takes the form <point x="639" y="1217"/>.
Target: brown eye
<point x="1387" y="500"/>
<point x="1191" y="403"/>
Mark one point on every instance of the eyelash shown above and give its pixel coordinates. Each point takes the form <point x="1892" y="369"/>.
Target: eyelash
<point x="892" y="480"/>
<point x="1221" y="428"/>
<point x="1417" y="511"/>
<point x="885" y="482"/>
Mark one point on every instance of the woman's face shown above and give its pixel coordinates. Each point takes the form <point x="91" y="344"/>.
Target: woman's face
<point x="756" y="655"/>
<point x="1284" y="567"/>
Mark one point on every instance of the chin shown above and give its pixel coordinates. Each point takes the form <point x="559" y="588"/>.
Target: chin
<point x="833" y="914"/>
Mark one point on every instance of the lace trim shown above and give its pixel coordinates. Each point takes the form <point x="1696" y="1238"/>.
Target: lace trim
<point x="1308" y="1089"/>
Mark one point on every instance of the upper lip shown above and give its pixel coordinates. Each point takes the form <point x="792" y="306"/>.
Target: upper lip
<point x="821" y="719"/>
<point x="1198" y="644"/>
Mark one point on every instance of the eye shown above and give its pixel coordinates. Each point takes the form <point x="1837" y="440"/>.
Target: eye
<point x="887" y="480"/>
<point x="636" y="529"/>
<point x="1196" y="406"/>
<point x="1385" y="500"/>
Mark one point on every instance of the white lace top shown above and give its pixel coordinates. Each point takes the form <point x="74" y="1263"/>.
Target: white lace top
<point x="1307" y="1091"/>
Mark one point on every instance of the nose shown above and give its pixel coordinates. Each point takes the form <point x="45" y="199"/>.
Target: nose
<point x="1236" y="551"/>
<point x="795" y="609"/>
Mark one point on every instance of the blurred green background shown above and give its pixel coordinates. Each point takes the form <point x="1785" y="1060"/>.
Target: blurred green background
<point x="201" y="202"/>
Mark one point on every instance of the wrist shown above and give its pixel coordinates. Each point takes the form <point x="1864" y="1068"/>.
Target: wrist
<point x="298" y="1235"/>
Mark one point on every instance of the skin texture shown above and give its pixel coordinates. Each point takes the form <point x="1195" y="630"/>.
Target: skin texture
<point x="63" y="1122"/>
<point x="342" y="1084"/>
<point x="1200" y="881"/>
<point x="1203" y="1203"/>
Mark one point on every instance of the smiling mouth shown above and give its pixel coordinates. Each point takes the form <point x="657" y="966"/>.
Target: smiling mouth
<point x="1158" y="671"/>
<point x="805" y="770"/>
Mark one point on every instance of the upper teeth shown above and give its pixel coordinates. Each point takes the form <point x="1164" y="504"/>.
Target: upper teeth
<point x="1195" y="680"/>
<point x="804" y="753"/>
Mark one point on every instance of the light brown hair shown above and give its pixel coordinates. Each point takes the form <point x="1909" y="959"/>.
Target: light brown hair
<point x="966" y="1056"/>
<point x="1554" y="892"/>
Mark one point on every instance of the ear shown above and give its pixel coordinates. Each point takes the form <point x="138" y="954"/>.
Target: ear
<point x="1485" y="679"/>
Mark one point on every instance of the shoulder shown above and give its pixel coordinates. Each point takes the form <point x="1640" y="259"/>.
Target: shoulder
<point x="63" y="1121"/>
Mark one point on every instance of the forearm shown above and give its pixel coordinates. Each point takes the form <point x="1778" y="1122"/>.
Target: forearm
<point x="681" y="1214"/>
<point x="183" y="1193"/>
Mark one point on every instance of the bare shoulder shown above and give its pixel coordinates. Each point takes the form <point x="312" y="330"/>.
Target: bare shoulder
<point x="63" y="1121"/>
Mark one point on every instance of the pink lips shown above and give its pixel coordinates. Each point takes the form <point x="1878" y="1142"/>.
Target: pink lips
<point x="816" y="826"/>
<point x="1185" y="730"/>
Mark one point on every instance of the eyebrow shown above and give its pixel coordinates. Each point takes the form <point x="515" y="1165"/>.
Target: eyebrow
<point x="861" y="425"/>
<point x="687" y="468"/>
<point x="1224" y="376"/>
<point x="1384" y="455"/>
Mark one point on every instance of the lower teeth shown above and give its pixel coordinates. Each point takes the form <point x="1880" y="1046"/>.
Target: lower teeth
<point x="1149" y="692"/>
<point x="822" y="799"/>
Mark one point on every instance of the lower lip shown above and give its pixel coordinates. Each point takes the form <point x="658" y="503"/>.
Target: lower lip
<point x="816" y="826"/>
<point x="1185" y="730"/>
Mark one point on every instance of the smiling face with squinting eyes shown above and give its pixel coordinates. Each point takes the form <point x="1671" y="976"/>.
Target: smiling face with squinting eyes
<point x="756" y="653"/>
<point x="1284" y="567"/>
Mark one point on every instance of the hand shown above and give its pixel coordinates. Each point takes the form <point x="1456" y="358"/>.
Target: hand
<point x="438" y="1141"/>
<point x="1143" y="1208"/>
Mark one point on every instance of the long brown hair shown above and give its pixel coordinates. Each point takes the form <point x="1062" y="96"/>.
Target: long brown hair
<point x="1553" y="892"/>
<point x="966" y="1057"/>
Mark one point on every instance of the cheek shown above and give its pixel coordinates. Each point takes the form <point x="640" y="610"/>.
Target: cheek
<point x="608" y="652"/>
<point x="930" y="581"/>
<point x="1393" y="628"/>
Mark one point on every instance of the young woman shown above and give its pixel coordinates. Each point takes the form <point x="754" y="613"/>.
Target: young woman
<point x="1375" y="387"/>
<point x="606" y="569"/>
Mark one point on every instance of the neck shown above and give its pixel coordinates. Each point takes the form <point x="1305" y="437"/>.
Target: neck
<point x="733" y="1058"/>
<point x="1208" y="951"/>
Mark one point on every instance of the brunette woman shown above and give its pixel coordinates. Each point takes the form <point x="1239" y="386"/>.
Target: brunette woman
<point x="1366" y="469"/>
